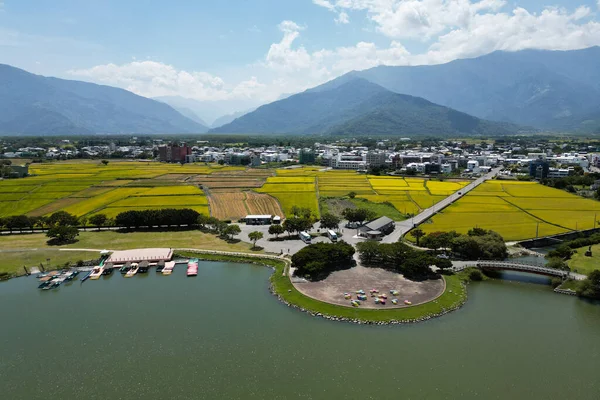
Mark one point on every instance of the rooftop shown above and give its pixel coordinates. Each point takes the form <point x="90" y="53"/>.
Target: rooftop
<point x="379" y="223"/>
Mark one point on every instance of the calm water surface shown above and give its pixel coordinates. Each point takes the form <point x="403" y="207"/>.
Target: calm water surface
<point x="221" y="335"/>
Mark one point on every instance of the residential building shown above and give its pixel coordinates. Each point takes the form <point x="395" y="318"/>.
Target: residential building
<point x="306" y="156"/>
<point x="174" y="152"/>
<point x="376" y="159"/>
<point x="539" y="168"/>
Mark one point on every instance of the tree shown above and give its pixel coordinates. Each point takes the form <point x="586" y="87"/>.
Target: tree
<point x="232" y="230"/>
<point x="254" y="236"/>
<point x="62" y="234"/>
<point x="17" y="222"/>
<point x="295" y="210"/>
<point x="330" y="221"/>
<point x="359" y="215"/>
<point x="490" y="246"/>
<point x="297" y="224"/>
<point x="557" y="263"/>
<point x="98" y="220"/>
<point x="276" y="230"/>
<point x="476" y="275"/>
<point x="417" y="234"/>
<point x="104" y="162"/>
<point x="369" y="251"/>
<point x="203" y="220"/>
<point x="42" y="222"/>
<point x="83" y="221"/>
<point x="591" y="286"/>
<point x="443" y="263"/>
<point x="352" y="195"/>
<point x="318" y="260"/>
<point x="62" y="218"/>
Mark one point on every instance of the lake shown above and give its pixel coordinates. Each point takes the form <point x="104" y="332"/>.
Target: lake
<point x="222" y="335"/>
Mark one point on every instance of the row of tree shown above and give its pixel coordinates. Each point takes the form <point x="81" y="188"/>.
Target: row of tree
<point x="165" y="216"/>
<point x="20" y="222"/>
<point x="477" y="244"/>
<point x="401" y="258"/>
<point x="316" y="261"/>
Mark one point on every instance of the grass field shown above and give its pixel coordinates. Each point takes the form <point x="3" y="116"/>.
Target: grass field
<point x="31" y="250"/>
<point x="517" y="210"/>
<point x="584" y="265"/>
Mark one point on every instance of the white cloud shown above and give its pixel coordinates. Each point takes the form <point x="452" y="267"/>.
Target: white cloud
<point x="343" y="18"/>
<point x="323" y="3"/>
<point x="151" y="78"/>
<point x="461" y="29"/>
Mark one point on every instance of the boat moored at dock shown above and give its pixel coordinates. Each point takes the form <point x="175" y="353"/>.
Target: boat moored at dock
<point x="168" y="269"/>
<point x="134" y="270"/>
<point x="192" y="267"/>
<point x="125" y="268"/>
<point x="143" y="267"/>
<point x="160" y="266"/>
<point x="96" y="272"/>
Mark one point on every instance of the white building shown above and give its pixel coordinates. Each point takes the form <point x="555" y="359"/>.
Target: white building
<point x="473" y="165"/>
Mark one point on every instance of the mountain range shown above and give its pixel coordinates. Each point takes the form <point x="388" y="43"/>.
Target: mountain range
<point x="498" y="93"/>
<point x="33" y="104"/>
<point x="548" y="90"/>
<point x="358" y="106"/>
<point x="555" y="90"/>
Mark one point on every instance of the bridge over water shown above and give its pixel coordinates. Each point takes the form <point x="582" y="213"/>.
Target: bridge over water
<point x="517" y="266"/>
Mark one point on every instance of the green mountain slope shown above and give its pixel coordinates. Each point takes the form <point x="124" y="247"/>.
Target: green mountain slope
<point x="359" y="107"/>
<point x="33" y="104"/>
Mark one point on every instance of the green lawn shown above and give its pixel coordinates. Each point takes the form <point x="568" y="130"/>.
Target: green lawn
<point x="13" y="261"/>
<point x="570" y="284"/>
<point x="31" y="250"/>
<point x="337" y="205"/>
<point x="584" y="265"/>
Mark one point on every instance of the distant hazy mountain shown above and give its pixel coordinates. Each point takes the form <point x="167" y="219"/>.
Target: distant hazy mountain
<point x="188" y="113"/>
<point x="546" y="89"/>
<point x="358" y="106"/>
<point x="210" y="110"/>
<point x="226" y="119"/>
<point x="33" y="104"/>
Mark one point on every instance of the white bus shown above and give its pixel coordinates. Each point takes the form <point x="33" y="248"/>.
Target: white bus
<point x="332" y="236"/>
<point x="305" y="237"/>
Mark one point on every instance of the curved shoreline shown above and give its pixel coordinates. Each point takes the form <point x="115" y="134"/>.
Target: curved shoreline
<point x="400" y="307"/>
<point x="281" y="287"/>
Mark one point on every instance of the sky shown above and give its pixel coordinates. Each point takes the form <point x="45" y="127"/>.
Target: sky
<point x="243" y="52"/>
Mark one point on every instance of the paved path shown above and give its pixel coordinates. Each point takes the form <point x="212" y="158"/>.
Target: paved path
<point x="402" y="228"/>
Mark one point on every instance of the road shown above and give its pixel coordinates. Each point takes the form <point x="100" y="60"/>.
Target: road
<point x="402" y="228"/>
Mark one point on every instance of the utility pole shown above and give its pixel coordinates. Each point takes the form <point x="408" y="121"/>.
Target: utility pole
<point x="537" y="230"/>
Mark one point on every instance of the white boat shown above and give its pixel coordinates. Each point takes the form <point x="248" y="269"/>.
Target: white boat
<point x="168" y="269"/>
<point x="96" y="273"/>
<point x="132" y="271"/>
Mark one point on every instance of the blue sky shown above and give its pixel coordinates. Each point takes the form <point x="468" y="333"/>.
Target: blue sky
<point x="230" y="50"/>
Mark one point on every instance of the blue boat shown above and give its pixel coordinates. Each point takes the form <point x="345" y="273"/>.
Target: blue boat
<point x="86" y="276"/>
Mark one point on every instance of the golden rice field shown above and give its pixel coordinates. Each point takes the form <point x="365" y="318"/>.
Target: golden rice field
<point x="89" y="187"/>
<point x="233" y="205"/>
<point x="518" y="211"/>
